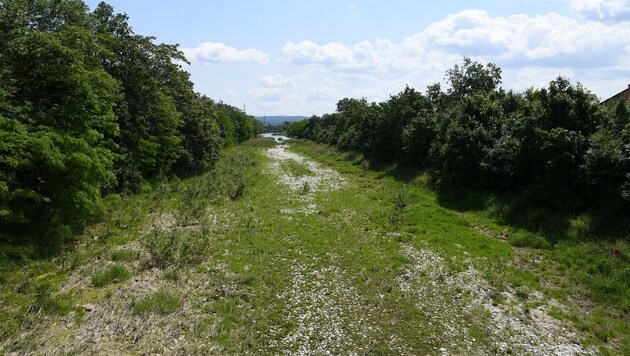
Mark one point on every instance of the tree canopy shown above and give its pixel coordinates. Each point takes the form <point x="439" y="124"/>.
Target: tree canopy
<point x="556" y="146"/>
<point x="88" y="107"/>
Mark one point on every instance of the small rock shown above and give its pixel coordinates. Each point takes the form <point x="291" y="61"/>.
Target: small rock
<point x="89" y="307"/>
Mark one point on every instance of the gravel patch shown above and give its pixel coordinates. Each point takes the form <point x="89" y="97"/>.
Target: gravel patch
<point x="458" y="303"/>
<point x="303" y="188"/>
<point x="328" y="314"/>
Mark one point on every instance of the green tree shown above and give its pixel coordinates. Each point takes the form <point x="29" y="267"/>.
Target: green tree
<point x="150" y="137"/>
<point x="472" y="77"/>
<point x="57" y="121"/>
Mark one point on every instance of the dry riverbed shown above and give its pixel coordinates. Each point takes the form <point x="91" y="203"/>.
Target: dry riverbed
<point x="306" y="262"/>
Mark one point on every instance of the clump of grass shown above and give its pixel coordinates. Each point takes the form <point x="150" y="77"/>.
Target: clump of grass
<point x="529" y="240"/>
<point x="161" y="302"/>
<point x="293" y="168"/>
<point x="194" y="200"/>
<point x="229" y="177"/>
<point x="125" y="255"/>
<point x="580" y="227"/>
<point x="172" y="275"/>
<point x="522" y="292"/>
<point x="265" y="142"/>
<point x="305" y="189"/>
<point x="400" y="203"/>
<point x="176" y="247"/>
<point x="46" y="301"/>
<point x="238" y="190"/>
<point x="113" y="274"/>
<point x="162" y="191"/>
<point x="365" y="165"/>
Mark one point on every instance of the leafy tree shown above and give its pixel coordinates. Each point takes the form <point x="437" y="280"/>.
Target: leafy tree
<point x="464" y="139"/>
<point x="607" y="161"/>
<point x="472" y="77"/>
<point x="58" y="126"/>
<point x="150" y="140"/>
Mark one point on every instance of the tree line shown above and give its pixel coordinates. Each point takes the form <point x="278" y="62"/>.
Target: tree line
<point x="88" y="108"/>
<point x="555" y="147"/>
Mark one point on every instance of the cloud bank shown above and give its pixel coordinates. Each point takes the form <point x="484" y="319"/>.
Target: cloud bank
<point x="551" y="40"/>
<point x="212" y="52"/>
<point x="592" y="47"/>
<point x="602" y="9"/>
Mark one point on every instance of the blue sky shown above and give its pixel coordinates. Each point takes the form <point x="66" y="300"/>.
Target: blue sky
<point x="301" y="57"/>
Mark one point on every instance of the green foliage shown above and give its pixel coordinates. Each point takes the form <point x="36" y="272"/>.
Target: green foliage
<point x="554" y="150"/>
<point x="160" y="302"/>
<point x="113" y="274"/>
<point x="87" y="108"/>
<point x="296" y="169"/>
<point x="125" y="255"/>
<point x="400" y="202"/>
<point x="57" y="121"/>
<point x="472" y="77"/>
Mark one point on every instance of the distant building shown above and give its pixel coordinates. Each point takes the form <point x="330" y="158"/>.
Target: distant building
<point x="623" y="95"/>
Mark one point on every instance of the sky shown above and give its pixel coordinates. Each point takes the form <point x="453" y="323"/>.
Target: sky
<point x="290" y="57"/>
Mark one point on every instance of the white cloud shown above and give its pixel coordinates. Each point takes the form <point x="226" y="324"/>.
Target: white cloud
<point x="274" y="87"/>
<point x="280" y="81"/>
<point x="266" y="94"/>
<point x="230" y="93"/>
<point x="326" y="91"/>
<point x="560" y="43"/>
<point x="602" y="9"/>
<point x="212" y="52"/>
<point x="333" y="53"/>
<point x="531" y="50"/>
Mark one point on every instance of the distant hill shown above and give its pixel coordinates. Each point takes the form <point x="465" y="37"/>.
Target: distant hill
<point x="278" y="119"/>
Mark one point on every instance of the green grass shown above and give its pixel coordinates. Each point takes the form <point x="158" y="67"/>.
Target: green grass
<point x="125" y="255"/>
<point x="296" y="169"/>
<point x="262" y="142"/>
<point x="229" y="231"/>
<point x="161" y="302"/>
<point x="597" y="271"/>
<point x="113" y="274"/>
<point x="176" y="247"/>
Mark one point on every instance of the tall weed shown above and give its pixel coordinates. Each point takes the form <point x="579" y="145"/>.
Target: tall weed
<point x="176" y="246"/>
